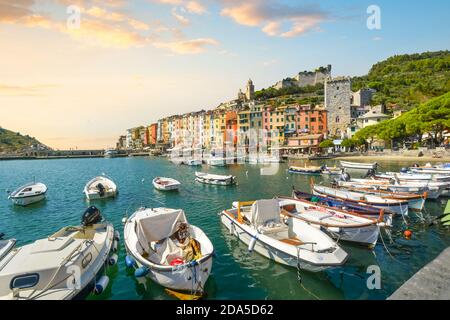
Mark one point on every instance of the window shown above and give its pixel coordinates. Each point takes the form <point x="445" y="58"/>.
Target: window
<point x="24" y="281"/>
<point x="337" y="119"/>
<point x="313" y="119"/>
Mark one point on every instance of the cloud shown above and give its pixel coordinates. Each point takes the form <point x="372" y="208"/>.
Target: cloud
<point x="274" y="19"/>
<point x="195" y="7"/>
<point x="377" y="38"/>
<point x="27" y="90"/>
<point x="10" y="12"/>
<point x="193" y="46"/>
<point x="180" y="18"/>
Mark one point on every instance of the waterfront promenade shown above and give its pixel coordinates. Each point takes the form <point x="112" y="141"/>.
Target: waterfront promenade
<point x="432" y="282"/>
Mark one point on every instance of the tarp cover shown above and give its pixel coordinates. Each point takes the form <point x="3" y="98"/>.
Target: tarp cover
<point x="264" y="211"/>
<point x="157" y="224"/>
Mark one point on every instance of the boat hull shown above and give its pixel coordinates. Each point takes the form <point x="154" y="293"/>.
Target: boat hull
<point x="226" y="182"/>
<point x="25" y="201"/>
<point x="357" y="165"/>
<point x="166" y="188"/>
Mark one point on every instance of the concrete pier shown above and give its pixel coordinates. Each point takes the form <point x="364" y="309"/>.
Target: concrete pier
<point x="432" y="282"/>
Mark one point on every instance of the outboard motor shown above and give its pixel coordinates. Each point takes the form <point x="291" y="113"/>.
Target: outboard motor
<point x="345" y="176"/>
<point x="101" y="189"/>
<point x="370" y="173"/>
<point x="91" y="216"/>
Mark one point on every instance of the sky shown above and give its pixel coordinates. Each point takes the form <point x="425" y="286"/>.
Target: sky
<point x="78" y="73"/>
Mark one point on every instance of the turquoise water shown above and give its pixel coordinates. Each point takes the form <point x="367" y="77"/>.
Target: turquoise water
<point x="236" y="274"/>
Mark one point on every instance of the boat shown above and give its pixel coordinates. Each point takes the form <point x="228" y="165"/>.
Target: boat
<point x="430" y="169"/>
<point x="66" y="265"/>
<point x="331" y="170"/>
<point x="163" y="246"/>
<point x="215" y="179"/>
<point x="310" y="170"/>
<point x="359" y="165"/>
<point x="397" y="206"/>
<point x="6" y="246"/>
<point x="100" y="187"/>
<point x="28" y="194"/>
<point x="445" y="217"/>
<point x="111" y="153"/>
<point x="165" y="184"/>
<point x="339" y="224"/>
<point x="321" y="157"/>
<point x="364" y="210"/>
<point x="177" y="160"/>
<point x="409" y="177"/>
<point x="416" y="202"/>
<point x="193" y="162"/>
<point x="288" y="241"/>
<point x="434" y="189"/>
<point x="216" y="161"/>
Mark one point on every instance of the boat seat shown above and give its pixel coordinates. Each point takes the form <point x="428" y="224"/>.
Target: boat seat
<point x="292" y="241"/>
<point x="278" y="228"/>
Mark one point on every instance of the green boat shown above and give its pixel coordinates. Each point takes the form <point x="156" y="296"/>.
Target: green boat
<point x="445" y="220"/>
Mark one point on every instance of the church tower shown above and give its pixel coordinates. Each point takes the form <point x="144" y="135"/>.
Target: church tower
<point x="250" y="91"/>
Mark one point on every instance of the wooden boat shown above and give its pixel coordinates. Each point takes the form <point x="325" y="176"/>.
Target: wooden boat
<point x="414" y="177"/>
<point x="215" y="179"/>
<point x="163" y="246"/>
<point x="100" y="187"/>
<point x="331" y="170"/>
<point x="289" y="241"/>
<point x="397" y="206"/>
<point x="28" y="194"/>
<point x="416" y="202"/>
<point x="338" y="223"/>
<point x="434" y="189"/>
<point x="359" y="165"/>
<point x="364" y="210"/>
<point x="65" y="265"/>
<point x="310" y="170"/>
<point x="165" y="184"/>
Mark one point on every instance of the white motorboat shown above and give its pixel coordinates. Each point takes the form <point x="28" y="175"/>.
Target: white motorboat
<point x="177" y="160"/>
<point x="165" y="184"/>
<point x="162" y="245"/>
<point x="100" y="187"/>
<point x="193" y="162"/>
<point x="65" y="265"/>
<point x="6" y="246"/>
<point x="111" y="153"/>
<point x="30" y="193"/>
<point x="215" y="179"/>
<point x="393" y="205"/>
<point x="338" y="223"/>
<point x="359" y="165"/>
<point x="216" y="161"/>
<point x="288" y="241"/>
<point x="331" y="170"/>
<point x="430" y="169"/>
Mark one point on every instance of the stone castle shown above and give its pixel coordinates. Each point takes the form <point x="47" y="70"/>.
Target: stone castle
<point x="337" y="100"/>
<point x="305" y="78"/>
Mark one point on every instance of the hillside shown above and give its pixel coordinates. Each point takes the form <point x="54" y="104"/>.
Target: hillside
<point x="14" y="142"/>
<point x="408" y="80"/>
<point x="404" y="80"/>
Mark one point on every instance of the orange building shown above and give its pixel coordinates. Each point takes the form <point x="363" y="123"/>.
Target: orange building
<point x="152" y="133"/>
<point x="311" y="120"/>
<point x="231" y="125"/>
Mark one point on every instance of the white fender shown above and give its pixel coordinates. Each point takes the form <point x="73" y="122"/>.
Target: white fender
<point x="113" y="259"/>
<point x="252" y="244"/>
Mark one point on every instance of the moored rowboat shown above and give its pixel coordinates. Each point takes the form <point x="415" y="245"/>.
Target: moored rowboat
<point x="215" y="179"/>
<point x="359" y="165"/>
<point x="165" y="184"/>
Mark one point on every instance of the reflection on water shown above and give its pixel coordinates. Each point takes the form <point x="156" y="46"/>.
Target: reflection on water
<point x="236" y="274"/>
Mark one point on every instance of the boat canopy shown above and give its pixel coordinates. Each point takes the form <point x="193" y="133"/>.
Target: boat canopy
<point x="264" y="211"/>
<point x="155" y="225"/>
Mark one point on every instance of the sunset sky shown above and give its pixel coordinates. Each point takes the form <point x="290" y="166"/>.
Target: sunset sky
<point x="132" y="62"/>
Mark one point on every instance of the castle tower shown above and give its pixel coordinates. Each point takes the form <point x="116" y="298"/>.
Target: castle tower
<point x="250" y="91"/>
<point x="338" y="96"/>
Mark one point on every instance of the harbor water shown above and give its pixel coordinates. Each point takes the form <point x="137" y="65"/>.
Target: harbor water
<point x="236" y="274"/>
